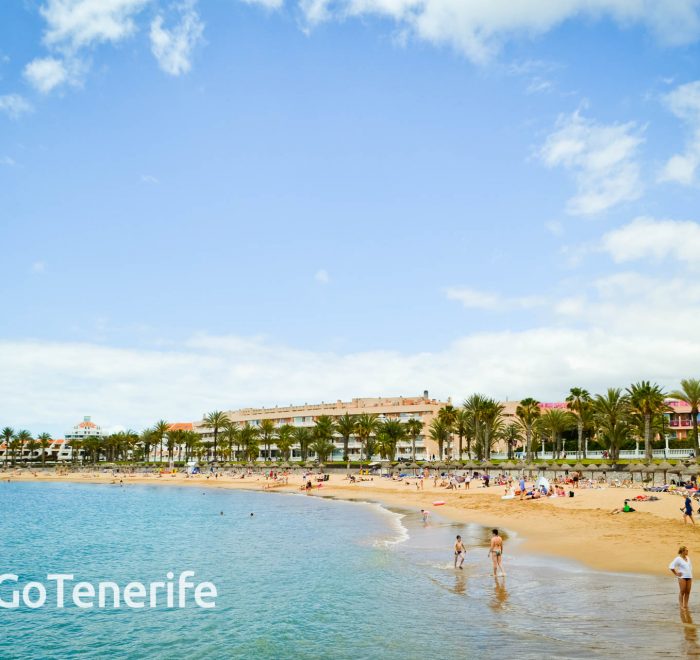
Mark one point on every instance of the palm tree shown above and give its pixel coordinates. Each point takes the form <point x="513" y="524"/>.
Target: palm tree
<point x="690" y="394"/>
<point x="191" y="441"/>
<point x="579" y="402"/>
<point x="266" y="430"/>
<point x="249" y="441"/>
<point x="322" y="447"/>
<point x="365" y="427"/>
<point x="160" y="430"/>
<point x="215" y="420"/>
<point x="231" y="437"/>
<point x="527" y="412"/>
<point x="448" y="414"/>
<point x="324" y="428"/>
<point x="491" y="424"/>
<point x="439" y="432"/>
<point x="32" y="445"/>
<point x="394" y="432"/>
<point x="21" y="439"/>
<point x="7" y="434"/>
<point x="147" y="440"/>
<point x="511" y="434"/>
<point x="646" y="400"/>
<point x="285" y="440"/>
<point x="414" y="427"/>
<point x="45" y="441"/>
<point x="301" y="435"/>
<point x="345" y="426"/>
<point x="462" y="427"/>
<point x="611" y="413"/>
<point x="553" y="423"/>
<point x="473" y="408"/>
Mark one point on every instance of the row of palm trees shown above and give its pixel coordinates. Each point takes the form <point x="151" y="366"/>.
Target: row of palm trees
<point x="375" y="435"/>
<point x="611" y="419"/>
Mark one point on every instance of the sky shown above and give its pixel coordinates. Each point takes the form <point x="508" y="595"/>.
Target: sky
<point x="229" y="203"/>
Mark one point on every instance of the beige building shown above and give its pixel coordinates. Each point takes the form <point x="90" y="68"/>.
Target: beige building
<point x="386" y="408"/>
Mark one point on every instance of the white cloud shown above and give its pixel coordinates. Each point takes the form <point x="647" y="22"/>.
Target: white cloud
<point x="46" y="73"/>
<point x="478" y="28"/>
<point x="601" y="158"/>
<point x="14" y="105"/>
<point x="7" y="161"/>
<point x="647" y="238"/>
<point x="684" y="102"/>
<point x="38" y="267"/>
<point x="173" y="47"/>
<point x="148" y="178"/>
<point x="268" y="4"/>
<point x="474" y="299"/>
<point x="39" y="384"/>
<point x="555" y="227"/>
<point x="75" y="24"/>
<point x="322" y="276"/>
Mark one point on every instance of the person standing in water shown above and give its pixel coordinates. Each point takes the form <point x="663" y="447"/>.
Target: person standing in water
<point x="496" y="552"/>
<point x="683" y="570"/>
<point x="460" y="552"/>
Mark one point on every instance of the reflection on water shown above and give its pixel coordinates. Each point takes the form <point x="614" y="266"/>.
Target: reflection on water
<point x="692" y="649"/>
<point x="500" y="594"/>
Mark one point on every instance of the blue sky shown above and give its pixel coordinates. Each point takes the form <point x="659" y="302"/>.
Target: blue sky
<point x="216" y="204"/>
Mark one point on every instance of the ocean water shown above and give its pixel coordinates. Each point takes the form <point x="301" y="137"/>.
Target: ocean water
<point x="309" y="577"/>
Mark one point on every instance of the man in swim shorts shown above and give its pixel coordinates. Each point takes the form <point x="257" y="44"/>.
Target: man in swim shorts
<point x="496" y="552"/>
<point x="460" y="552"/>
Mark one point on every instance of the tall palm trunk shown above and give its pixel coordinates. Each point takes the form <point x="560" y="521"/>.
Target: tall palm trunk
<point x="694" y="413"/>
<point x="647" y="437"/>
<point x="528" y="440"/>
<point x="580" y="439"/>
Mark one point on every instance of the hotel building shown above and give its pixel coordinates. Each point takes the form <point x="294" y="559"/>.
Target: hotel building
<point x="399" y="408"/>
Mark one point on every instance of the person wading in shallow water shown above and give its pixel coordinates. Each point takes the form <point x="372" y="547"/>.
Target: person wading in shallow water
<point x="460" y="552"/>
<point x="496" y="552"/>
<point x="683" y="570"/>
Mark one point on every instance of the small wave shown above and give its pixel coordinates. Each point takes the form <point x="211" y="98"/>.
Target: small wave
<point x="400" y="532"/>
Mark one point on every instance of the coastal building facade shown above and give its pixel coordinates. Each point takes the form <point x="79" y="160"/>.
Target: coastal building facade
<point x="400" y="408"/>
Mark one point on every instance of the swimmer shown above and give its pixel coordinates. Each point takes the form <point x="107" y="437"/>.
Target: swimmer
<point x="460" y="552"/>
<point x="251" y="515"/>
<point x="496" y="552"/>
<point x="425" y="514"/>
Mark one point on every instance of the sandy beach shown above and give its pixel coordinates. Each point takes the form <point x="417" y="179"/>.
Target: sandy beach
<point x="580" y="528"/>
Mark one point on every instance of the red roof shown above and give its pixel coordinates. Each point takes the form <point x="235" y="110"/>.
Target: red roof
<point x="181" y="426"/>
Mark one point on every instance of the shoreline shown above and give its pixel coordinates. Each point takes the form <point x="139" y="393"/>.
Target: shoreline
<point x="580" y="528"/>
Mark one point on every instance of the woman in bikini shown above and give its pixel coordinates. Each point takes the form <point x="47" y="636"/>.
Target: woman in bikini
<point x="496" y="552"/>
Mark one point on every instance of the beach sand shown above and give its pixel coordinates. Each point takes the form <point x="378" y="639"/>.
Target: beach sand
<point x="580" y="528"/>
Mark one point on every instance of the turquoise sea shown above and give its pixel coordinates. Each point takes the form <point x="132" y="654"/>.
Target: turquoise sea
<point x="307" y="577"/>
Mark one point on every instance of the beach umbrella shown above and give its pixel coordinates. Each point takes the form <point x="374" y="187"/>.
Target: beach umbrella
<point x="414" y="465"/>
<point x="284" y="465"/>
<point x="676" y="469"/>
<point x="579" y="467"/>
<point x="692" y="470"/>
<point x="487" y="465"/>
<point x="309" y="464"/>
<point x="440" y="465"/>
<point x="249" y="464"/>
